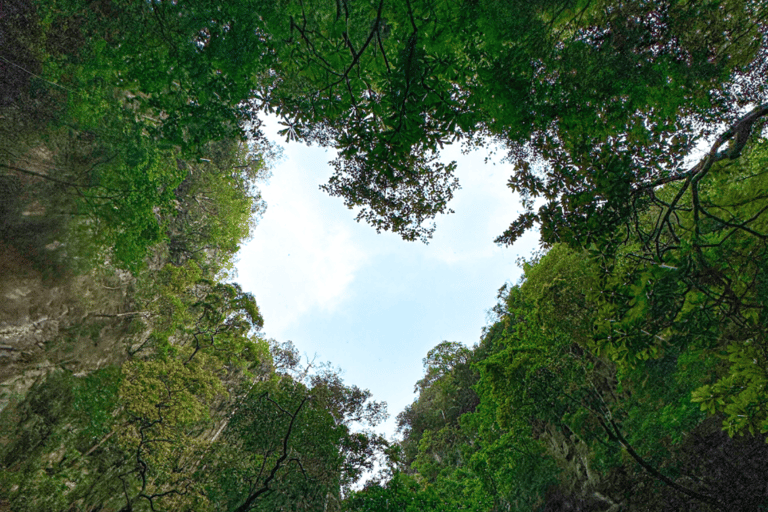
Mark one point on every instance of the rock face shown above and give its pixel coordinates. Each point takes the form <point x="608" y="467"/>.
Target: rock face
<point x="78" y="323"/>
<point x="51" y="316"/>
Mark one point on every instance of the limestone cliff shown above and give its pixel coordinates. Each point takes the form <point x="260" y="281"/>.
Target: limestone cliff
<point x="76" y="322"/>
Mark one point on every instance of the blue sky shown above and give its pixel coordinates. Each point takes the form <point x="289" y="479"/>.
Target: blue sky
<point x="373" y="304"/>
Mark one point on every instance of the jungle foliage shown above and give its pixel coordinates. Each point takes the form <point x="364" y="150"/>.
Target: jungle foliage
<point x="626" y="371"/>
<point x="544" y="414"/>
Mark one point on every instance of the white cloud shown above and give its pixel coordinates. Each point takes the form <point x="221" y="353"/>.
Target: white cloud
<point x="299" y="259"/>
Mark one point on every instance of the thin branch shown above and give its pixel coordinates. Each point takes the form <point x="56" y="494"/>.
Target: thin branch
<point x="356" y="59"/>
<point x="39" y="175"/>
<point x="381" y="47"/>
<point x="36" y="76"/>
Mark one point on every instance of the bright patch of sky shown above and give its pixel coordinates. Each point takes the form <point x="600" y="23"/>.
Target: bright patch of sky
<point x="373" y="304"/>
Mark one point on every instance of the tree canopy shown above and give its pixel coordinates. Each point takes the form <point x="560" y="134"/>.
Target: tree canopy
<point x="597" y="103"/>
<point x="627" y="370"/>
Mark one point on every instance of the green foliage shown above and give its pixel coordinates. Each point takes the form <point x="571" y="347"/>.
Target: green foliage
<point x="96" y="398"/>
<point x="606" y="96"/>
<point x="553" y="420"/>
<point x="166" y="394"/>
<point x="206" y="431"/>
<point x="217" y="204"/>
<point x="445" y="393"/>
<point x="138" y="190"/>
<point x="131" y="164"/>
<point x="665" y="385"/>
<point x="186" y="68"/>
<point x="647" y="314"/>
<point x="288" y="445"/>
<point x="57" y="423"/>
<point x="192" y="314"/>
<point x="400" y="493"/>
<point x="741" y="393"/>
<point x="697" y="286"/>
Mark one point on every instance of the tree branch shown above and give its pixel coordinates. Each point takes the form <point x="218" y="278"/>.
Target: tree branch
<point x="615" y="434"/>
<point x="741" y="129"/>
<point x="265" y="487"/>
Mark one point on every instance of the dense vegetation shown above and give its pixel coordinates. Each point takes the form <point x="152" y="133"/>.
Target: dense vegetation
<point x="544" y="415"/>
<point x="193" y="409"/>
<point x="627" y="370"/>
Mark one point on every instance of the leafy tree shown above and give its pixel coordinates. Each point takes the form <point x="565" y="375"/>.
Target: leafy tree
<point x="189" y="428"/>
<point x="548" y="377"/>
<point x="291" y="445"/>
<point x="400" y="493"/>
<point x="456" y="446"/>
<point x="217" y="204"/>
<point x="445" y="393"/>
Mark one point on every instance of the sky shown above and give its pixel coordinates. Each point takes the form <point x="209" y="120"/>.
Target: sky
<point x="373" y="304"/>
